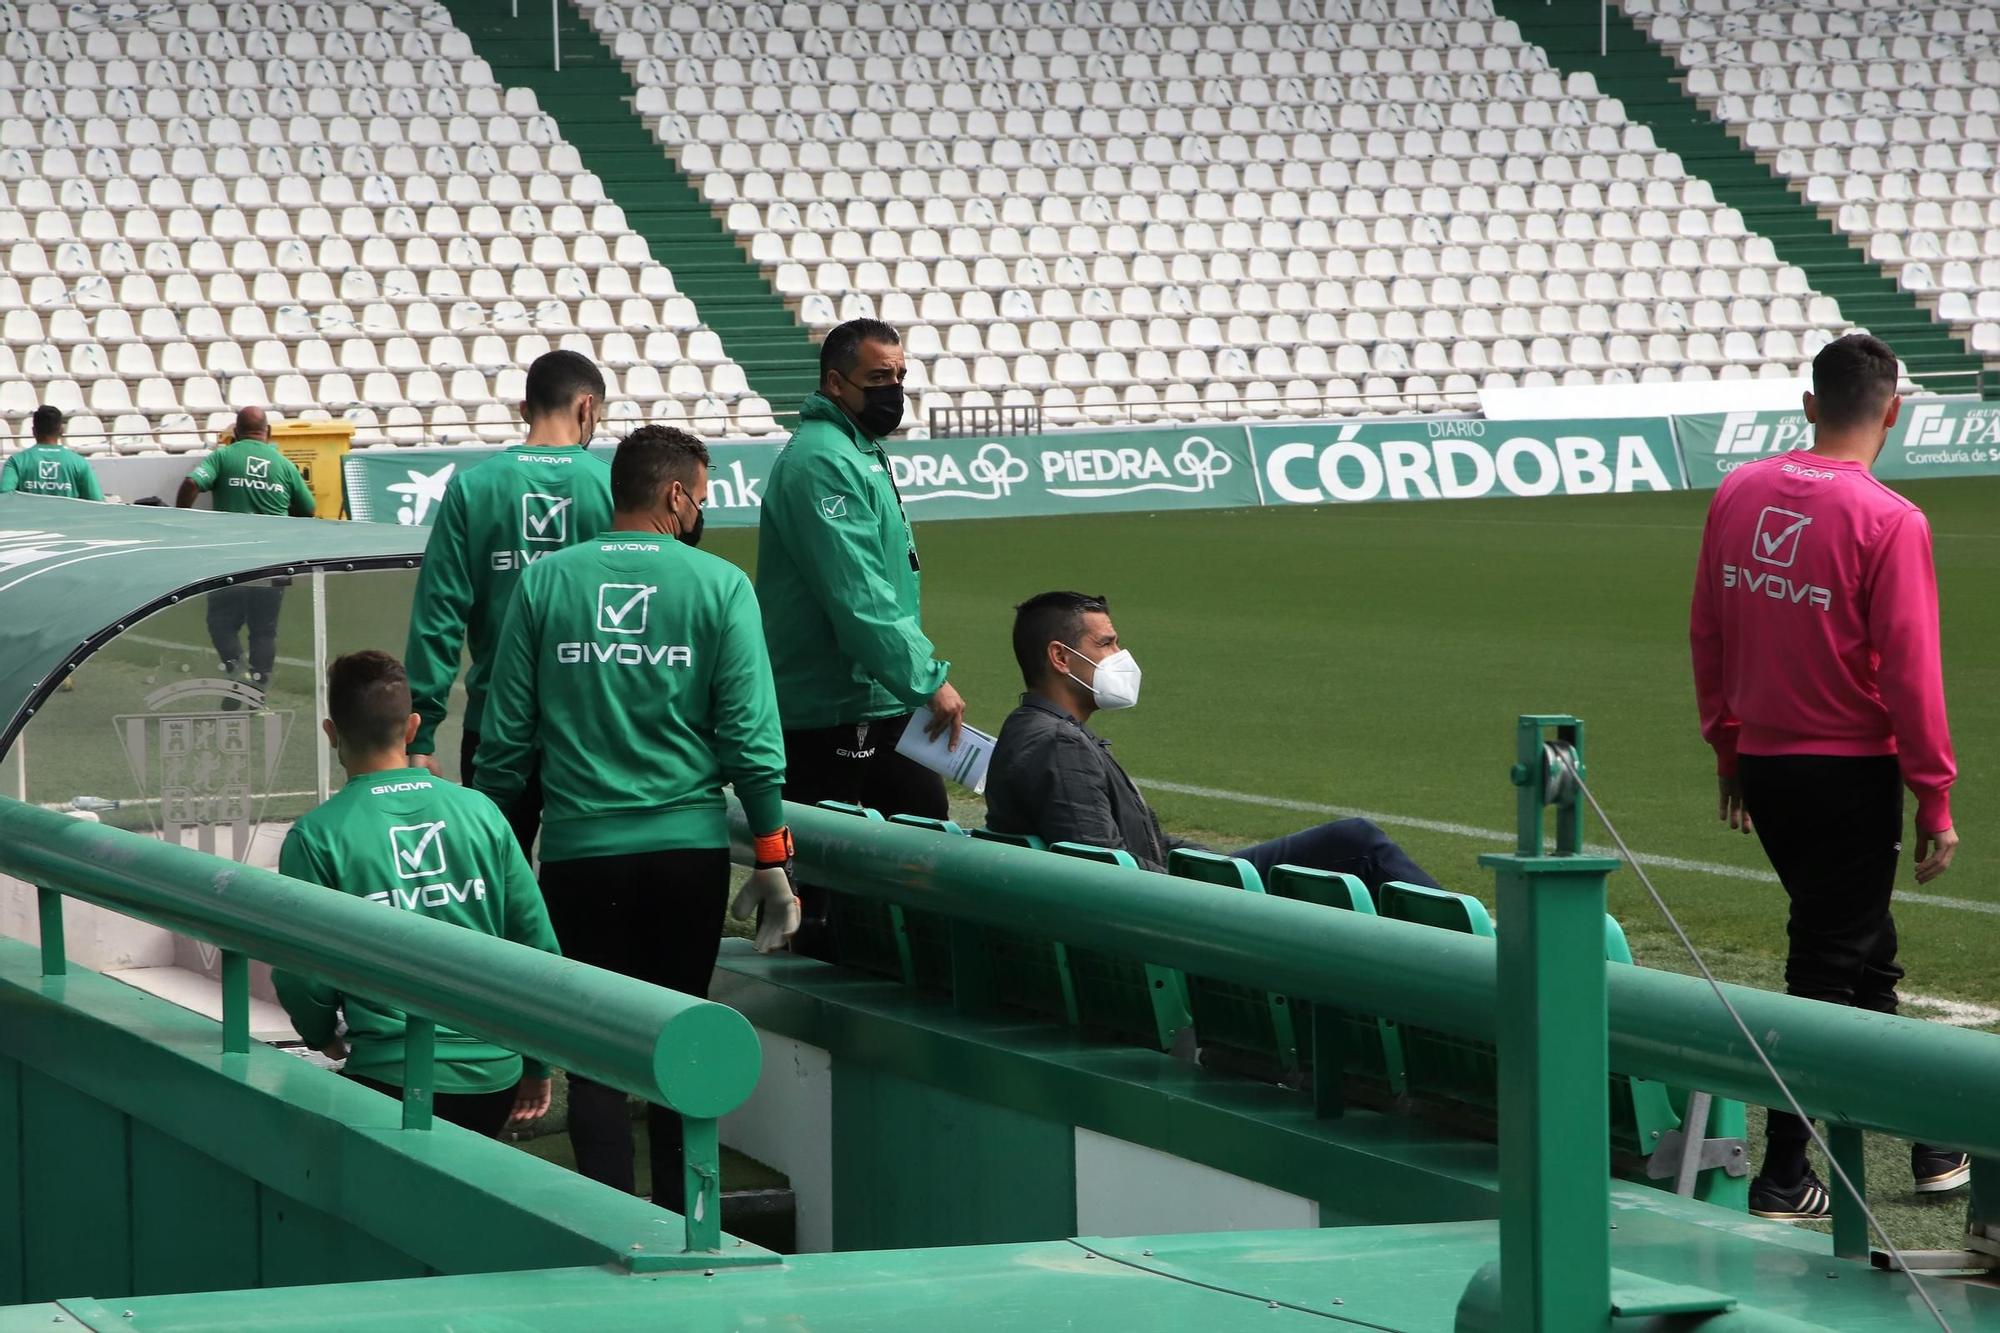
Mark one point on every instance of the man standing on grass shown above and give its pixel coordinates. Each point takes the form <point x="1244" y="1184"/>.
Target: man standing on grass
<point x="632" y="669"/>
<point x="1818" y="675"/>
<point x="532" y="500"/>
<point x="398" y="836"/>
<point x="46" y="468"/>
<point x="249" y="476"/>
<point x="838" y="578"/>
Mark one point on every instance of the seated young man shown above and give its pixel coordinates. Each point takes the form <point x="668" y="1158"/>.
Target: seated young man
<point x="1054" y="778"/>
<point x="392" y="833"/>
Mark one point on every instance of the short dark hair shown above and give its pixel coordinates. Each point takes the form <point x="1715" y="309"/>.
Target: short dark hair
<point x="1045" y="617"/>
<point x="368" y="698"/>
<point x="842" y="347"/>
<point x="647" y="460"/>
<point x="1853" y="380"/>
<point x="557" y="379"/>
<point x="48" y="421"/>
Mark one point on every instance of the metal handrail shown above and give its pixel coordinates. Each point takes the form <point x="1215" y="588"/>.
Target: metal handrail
<point x="1920" y="1080"/>
<point x="692" y="1055"/>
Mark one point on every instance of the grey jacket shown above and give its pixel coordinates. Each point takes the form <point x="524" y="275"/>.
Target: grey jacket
<point x="1053" y="777"/>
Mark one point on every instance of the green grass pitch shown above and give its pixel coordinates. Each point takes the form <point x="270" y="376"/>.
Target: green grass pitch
<point x="1359" y="657"/>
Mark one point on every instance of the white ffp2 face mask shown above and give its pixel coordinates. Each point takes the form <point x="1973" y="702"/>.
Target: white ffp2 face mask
<point x="1116" y="683"/>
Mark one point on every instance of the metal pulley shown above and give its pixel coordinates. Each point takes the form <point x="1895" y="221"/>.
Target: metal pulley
<point x="1561" y="768"/>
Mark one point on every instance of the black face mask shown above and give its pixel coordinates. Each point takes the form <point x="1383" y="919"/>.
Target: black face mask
<point x="882" y="408"/>
<point x="691" y="534"/>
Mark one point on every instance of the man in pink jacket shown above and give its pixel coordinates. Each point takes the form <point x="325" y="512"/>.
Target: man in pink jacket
<point x="1816" y="667"/>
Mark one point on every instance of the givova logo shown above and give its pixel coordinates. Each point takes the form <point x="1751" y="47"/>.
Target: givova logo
<point x="1366" y="462"/>
<point x="622" y="607"/>
<point x="51" y="468"/>
<point x="545" y="519"/>
<point x="418" y="849"/>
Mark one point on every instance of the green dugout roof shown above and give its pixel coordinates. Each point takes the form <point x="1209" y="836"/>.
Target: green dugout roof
<point x="74" y="575"/>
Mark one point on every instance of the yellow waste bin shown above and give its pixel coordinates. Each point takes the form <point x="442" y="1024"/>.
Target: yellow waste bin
<point x="317" y="448"/>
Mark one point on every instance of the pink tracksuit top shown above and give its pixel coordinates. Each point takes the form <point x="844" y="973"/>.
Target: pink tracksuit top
<point x="1815" y="624"/>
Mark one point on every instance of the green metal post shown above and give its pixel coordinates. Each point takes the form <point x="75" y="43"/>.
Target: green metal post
<point x="1555" y="1157"/>
<point x="235" y="1003"/>
<point x="702" y="1180"/>
<point x="1850" y="1224"/>
<point x="419" y="1071"/>
<point x="55" y="959"/>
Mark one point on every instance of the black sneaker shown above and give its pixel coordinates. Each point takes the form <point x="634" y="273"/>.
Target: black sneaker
<point x="1806" y="1201"/>
<point x="1938" y="1169"/>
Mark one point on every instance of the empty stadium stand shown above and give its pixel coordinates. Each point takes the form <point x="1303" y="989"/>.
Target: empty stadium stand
<point x="1124" y="209"/>
<point x="1880" y="122"/>
<point x="1097" y="211"/>
<point x="324" y="208"/>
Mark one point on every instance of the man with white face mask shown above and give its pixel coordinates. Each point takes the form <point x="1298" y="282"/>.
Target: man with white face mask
<point x="1054" y="778"/>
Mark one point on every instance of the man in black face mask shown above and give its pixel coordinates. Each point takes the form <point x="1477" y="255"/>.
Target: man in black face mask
<point x="839" y="583"/>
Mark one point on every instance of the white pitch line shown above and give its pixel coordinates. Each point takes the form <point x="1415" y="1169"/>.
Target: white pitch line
<point x="149" y="641"/>
<point x="1504" y="838"/>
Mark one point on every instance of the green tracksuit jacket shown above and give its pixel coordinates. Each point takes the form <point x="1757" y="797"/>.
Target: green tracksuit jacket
<point x="252" y="477"/>
<point x="634" y="667"/>
<point x="838" y="581"/>
<point x="414" y="843"/>
<point x="496" y="519"/>
<point x="50" y="469"/>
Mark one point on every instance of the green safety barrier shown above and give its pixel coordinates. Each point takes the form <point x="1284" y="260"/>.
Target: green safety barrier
<point x="694" y="1056"/>
<point x="1875" y="1071"/>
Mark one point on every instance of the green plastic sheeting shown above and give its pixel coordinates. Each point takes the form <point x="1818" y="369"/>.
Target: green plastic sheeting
<point x="74" y="574"/>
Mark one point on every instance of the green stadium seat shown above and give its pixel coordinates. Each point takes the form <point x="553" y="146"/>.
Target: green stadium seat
<point x="1121" y="996"/>
<point x="1642" y="1112"/>
<point x="928" y="935"/>
<point x="1347" y="1053"/>
<point x="1444" y="1071"/>
<point x="1029" y="972"/>
<point x="1240" y="1020"/>
<point x="867" y="935"/>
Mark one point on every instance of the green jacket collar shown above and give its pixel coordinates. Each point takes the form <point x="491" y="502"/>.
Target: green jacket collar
<point x="819" y="407"/>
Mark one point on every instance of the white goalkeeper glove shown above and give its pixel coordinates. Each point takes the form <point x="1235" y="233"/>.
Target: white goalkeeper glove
<point x="768" y="895"/>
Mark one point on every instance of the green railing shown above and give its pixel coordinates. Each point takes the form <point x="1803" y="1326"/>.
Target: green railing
<point x="1868" y="1070"/>
<point x="691" y="1055"/>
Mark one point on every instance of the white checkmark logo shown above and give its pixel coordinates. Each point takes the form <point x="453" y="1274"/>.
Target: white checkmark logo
<point x="257" y="467"/>
<point x="50" y="467"/>
<point x="1778" y="534"/>
<point x="545" y="518"/>
<point x="615" y="602"/>
<point x="423" y="858"/>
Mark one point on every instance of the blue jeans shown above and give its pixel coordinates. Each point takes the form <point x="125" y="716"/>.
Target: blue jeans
<point x="1346" y="846"/>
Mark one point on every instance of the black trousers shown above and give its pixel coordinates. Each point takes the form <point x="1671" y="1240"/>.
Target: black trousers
<point x="858" y="764"/>
<point x="254" y="606"/>
<point x="1347" y="846"/>
<point x="656" y="916"/>
<point x="481" y="1112"/>
<point x="1832" y="827"/>
<point x="524" y="812"/>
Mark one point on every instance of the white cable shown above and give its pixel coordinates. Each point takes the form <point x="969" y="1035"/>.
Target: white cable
<point x="1881" y="1232"/>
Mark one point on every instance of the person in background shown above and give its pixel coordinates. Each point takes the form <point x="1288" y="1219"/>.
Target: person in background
<point x="632" y="672"/>
<point x="396" y="835"/>
<point x="246" y="475"/>
<point x="46" y="467"/>
<point x="1819" y="676"/>
<point x="1053" y="778"/>
<point x="532" y="500"/>
<point x="841" y="589"/>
